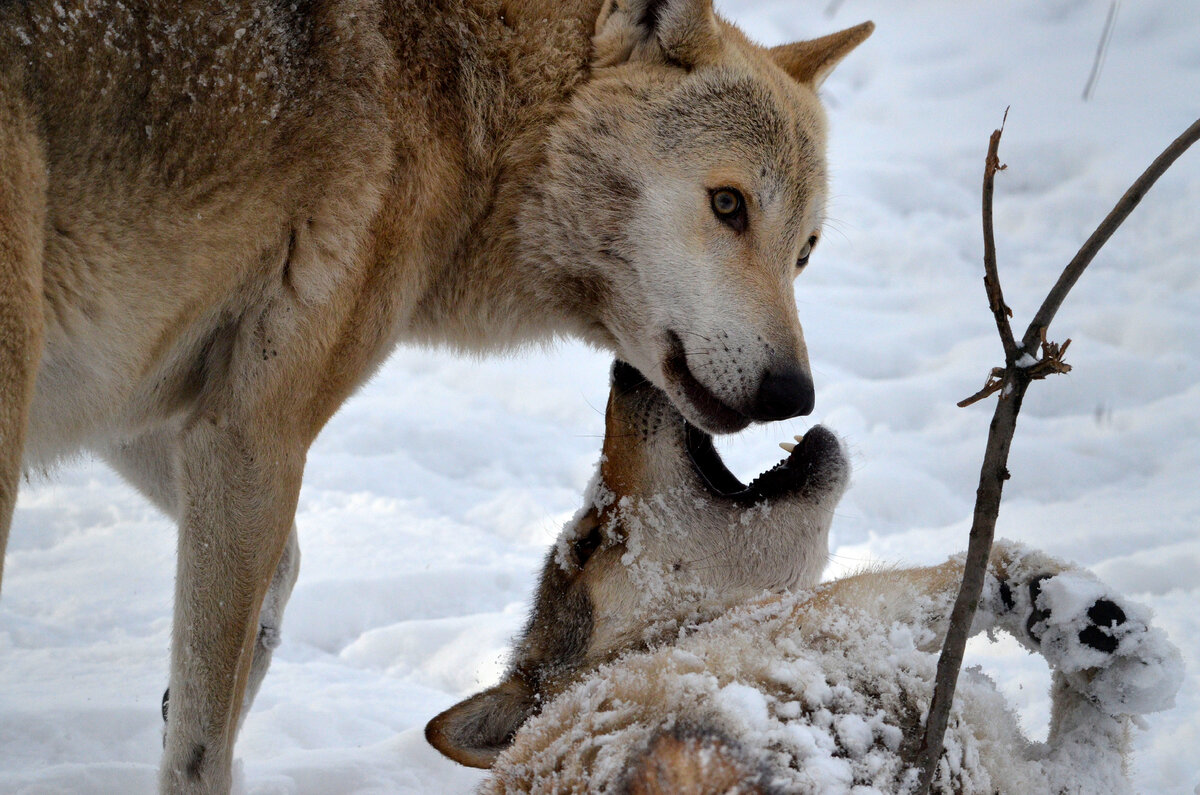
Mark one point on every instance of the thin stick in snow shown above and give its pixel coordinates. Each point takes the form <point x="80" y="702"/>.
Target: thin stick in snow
<point x="1011" y="381"/>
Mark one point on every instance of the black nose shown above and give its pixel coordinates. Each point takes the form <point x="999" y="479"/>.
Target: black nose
<point x="784" y="392"/>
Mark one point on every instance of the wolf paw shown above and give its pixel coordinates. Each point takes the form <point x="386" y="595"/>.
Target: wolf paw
<point x="1101" y="632"/>
<point x="1102" y="643"/>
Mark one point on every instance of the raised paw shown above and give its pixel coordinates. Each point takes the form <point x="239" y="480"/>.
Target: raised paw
<point x="1101" y="642"/>
<point x="1036" y="621"/>
<point x="1103" y="618"/>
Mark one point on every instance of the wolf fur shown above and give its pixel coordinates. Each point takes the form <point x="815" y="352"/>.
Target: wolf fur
<point x="639" y="675"/>
<point x="217" y="220"/>
<point x="655" y="546"/>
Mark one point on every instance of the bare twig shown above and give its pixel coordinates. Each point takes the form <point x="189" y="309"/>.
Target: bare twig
<point x="1101" y="51"/>
<point x="991" y="278"/>
<point x="994" y="382"/>
<point x="1011" y="381"/>
<point x="1103" y="232"/>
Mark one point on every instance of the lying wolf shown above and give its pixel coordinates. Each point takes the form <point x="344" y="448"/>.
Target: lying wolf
<point x="217" y="219"/>
<point x="654" y="662"/>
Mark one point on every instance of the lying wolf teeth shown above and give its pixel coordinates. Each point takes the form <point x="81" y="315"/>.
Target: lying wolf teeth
<point x="790" y="447"/>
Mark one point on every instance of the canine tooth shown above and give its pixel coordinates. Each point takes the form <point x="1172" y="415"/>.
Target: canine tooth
<point x="799" y="437"/>
<point x="788" y="446"/>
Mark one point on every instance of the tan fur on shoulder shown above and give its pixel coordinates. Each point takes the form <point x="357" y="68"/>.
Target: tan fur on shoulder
<point x="22" y="224"/>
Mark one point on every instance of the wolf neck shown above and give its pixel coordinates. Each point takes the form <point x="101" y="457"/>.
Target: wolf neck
<point x="518" y="66"/>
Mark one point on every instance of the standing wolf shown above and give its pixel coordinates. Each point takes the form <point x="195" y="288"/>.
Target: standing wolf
<point x="216" y="220"/>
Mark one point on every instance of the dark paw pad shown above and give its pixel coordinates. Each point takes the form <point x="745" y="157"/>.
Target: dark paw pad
<point x="1036" y="614"/>
<point x="1103" y="615"/>
<point x="1006" y="596"/>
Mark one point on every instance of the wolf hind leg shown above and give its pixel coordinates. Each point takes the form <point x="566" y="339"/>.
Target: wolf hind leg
<point x="22" y="224"/>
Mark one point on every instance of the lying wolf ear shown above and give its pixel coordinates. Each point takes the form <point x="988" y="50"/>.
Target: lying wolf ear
<point x="678" y="32"/>
<point x="812" y="61"/>
<point x="475" y="731"/>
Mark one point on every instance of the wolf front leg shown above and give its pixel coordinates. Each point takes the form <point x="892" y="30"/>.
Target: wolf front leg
<point x="149" y="463"/>
<point x="239" y="482"/>
<point x="924" y="596"/>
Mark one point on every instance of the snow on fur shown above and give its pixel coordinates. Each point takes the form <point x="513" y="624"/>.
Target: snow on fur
<point x="827" y="695"/>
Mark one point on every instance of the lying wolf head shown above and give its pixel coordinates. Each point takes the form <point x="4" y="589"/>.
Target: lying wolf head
<point x="668" y="534"/>
<point x="683" y="191"/>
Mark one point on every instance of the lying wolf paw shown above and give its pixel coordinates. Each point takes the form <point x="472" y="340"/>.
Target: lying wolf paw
<point x="1101" y="642"/>
<point x="1102" y="631"/>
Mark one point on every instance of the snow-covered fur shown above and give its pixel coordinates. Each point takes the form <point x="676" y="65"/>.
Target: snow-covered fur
<point x="825" y="691"/>
<point x="664" y="652"/>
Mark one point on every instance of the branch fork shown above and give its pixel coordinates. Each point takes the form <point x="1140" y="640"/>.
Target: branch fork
<point x="1011" y="381"/>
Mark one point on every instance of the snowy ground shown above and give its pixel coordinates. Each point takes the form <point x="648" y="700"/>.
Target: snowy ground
<point x="430" y="498"/>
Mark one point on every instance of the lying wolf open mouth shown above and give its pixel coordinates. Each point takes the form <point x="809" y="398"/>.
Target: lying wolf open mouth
<point x="667" y="535"/>
<point x="637" y="405"/>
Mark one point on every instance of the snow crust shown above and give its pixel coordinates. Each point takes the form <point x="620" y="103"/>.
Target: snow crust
<point x="430" y="499"/>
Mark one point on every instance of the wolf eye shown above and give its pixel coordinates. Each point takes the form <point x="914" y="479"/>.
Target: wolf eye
<point x="806" y="252"/>
<point x="729" y="207"/>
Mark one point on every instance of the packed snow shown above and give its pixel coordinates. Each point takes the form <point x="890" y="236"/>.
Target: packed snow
<point x="431" y="498"/>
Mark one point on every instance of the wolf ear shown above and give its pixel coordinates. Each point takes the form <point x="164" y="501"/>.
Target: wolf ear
<point x="678" y="32"/>
<point x="811" y="61"/>
<point x="474" y="732"/>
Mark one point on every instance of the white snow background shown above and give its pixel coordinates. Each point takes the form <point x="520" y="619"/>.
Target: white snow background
<point x="430" y="498"/>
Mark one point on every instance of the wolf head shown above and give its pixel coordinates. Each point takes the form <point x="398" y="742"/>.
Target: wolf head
<point x="682" y="193"/>
<point x="667" y="535"/>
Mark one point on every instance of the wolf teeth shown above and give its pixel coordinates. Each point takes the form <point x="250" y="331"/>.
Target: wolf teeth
<point x="788" y="446"/>
<point x="799" y="437"/>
